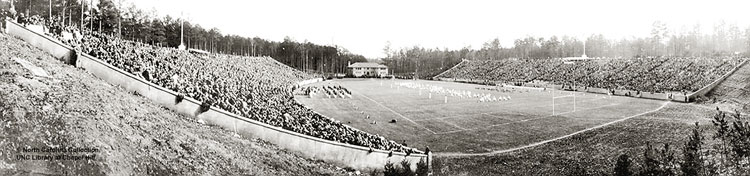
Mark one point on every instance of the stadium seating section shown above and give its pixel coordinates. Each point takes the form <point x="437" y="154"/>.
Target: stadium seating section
<point x="658" y="75"/>
<point x="258" y="88"/>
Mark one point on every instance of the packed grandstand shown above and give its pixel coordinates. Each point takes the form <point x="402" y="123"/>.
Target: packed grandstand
<point x="254" y="87"/>
<point x="657" y="75"/>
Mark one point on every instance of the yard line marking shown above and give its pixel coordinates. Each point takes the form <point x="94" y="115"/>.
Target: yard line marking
<point x="513" y="105"/>
<point x="451" y="131"/>
<point x="497" y="116"/>
<point x="458" y="154"/>
<point x="529" y="119"/>
<point x="459" y="127"/>
<point x="394" y="112"/>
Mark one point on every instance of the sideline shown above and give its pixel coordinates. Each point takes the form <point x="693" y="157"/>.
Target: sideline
<point x="458" y="154"/>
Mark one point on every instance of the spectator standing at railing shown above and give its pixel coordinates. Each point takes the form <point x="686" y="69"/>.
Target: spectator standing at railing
<point x="3" y="15"/>
<point x="21" y="19"/>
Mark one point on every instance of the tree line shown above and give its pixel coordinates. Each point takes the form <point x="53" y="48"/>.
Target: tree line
<point x="127" y="21"/>
<point x="689" y="41"/>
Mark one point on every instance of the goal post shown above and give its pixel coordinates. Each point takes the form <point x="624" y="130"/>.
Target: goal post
<point x="563" y="100"/>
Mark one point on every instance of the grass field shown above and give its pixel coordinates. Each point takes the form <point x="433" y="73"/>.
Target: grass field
<point x="466" y="125"/>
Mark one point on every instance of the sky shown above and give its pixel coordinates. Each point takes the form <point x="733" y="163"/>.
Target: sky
<point x="364" y="27"/>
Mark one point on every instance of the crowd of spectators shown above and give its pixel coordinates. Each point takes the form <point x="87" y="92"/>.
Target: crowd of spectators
<point x="49" y="27"/>
<point x="5" y="15"/>
<point x="23" y="19"/>
<point x="463" y="94"/>
<point x="329" y="91"/>
<point x="258" y="88"/>
<point x="657" y="75"/>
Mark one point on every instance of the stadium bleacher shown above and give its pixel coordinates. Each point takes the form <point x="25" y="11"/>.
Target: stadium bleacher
<point x="657" y="75"/>
<point x="254" y="87"/>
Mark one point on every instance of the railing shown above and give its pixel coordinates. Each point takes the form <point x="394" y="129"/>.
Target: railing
<point x="705" y="89"/>
<point x="459" y="63"/>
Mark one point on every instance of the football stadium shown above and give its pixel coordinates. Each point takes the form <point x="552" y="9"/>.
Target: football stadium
<point x="469" y="119"/>
<point x="86" y="89"/>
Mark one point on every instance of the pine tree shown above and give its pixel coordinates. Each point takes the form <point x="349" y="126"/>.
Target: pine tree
<point x="622" y="167"/>
<point x="650" y="162"/>
<point x="390" y="170"/>
<point x="422" y="168"/>
<point x="405" y="168"/>
<point x="692" y="160"/>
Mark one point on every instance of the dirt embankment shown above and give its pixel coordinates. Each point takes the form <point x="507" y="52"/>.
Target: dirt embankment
<point x="121" y="133"/>
<point x="732" y="93"/>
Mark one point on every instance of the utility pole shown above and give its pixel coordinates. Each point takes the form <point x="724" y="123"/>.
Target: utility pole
<point x="91" y="15"/>
<point x="62" y="17"/>
<point x="584" y="49"/>
<point x="12" y="9"/>
<point x="83" y="3"/>
<point x="70" y="15"/>
<point x="119" y="19"/>
<point x="182" y="32"/>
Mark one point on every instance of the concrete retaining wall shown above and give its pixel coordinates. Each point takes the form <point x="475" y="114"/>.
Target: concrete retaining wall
<point x="356" y="157"/>
<point x="705" y="89"/>
<point x="47" y="44"/>
<point x="459" y="63"/>
<point x="309" y="81"/>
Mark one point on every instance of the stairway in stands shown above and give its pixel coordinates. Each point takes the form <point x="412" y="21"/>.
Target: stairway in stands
<point x="734" y="92"/>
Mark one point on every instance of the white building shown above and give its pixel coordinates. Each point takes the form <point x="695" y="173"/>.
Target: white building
<point x="367" y="69"/>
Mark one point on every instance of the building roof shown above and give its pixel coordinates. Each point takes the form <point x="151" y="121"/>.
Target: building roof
<point x="367" y="65"/>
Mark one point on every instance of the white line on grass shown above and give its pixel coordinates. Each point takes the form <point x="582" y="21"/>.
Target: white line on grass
<point x="399" y="114"/>
<point x="529" y="119"/>
<point x="449" y="123"/>
<point x="457" y="154"/>
<point x="499" y="117"/>
<point x="525" y="105"/>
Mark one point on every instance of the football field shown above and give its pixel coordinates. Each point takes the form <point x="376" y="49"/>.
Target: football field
<point x="467" y="118"/>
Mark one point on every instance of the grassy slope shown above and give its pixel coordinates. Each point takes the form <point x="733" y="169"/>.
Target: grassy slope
<point x="134" y="136"/>
<point x="734" y="92"/>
